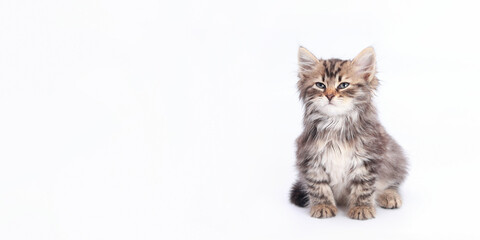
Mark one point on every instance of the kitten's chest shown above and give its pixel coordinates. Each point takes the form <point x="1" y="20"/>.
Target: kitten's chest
<point x="337" y="158"/>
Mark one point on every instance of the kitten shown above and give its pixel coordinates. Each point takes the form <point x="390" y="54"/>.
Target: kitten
<point x="344" y="155"/>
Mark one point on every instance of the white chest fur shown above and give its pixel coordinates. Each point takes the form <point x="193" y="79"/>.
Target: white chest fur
<point x="338" y="160"/>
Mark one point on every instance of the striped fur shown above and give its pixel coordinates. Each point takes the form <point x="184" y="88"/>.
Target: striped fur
<point x="344" y="155"/>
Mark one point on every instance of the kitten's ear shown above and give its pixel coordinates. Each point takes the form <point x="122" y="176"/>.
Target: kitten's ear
<point x="364" y="65"/>
<point x="307" y="62"/>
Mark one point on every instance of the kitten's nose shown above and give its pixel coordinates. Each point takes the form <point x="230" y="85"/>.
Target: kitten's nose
<point x="329" y="96"/>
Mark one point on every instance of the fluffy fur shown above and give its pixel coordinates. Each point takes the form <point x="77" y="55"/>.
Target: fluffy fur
<point x="344" y="155"/>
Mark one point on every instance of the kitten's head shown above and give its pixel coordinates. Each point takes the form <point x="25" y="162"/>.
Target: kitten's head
<point x="336" y="87"/>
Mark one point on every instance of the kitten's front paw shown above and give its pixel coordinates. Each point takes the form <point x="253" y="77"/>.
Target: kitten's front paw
<point x="323" y="211"/>
<point x="362" y="212"/>
<point x="389" y="199"/>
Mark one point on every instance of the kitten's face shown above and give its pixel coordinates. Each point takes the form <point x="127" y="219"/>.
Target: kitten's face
<point x="335" y="87"/>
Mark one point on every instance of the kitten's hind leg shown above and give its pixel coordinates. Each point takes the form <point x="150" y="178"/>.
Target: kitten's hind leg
<point x="389" y="198"/>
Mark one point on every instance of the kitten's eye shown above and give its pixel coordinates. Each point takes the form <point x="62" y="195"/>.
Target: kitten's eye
<point x="343" y="85"/>
<point x="320" y="85"/>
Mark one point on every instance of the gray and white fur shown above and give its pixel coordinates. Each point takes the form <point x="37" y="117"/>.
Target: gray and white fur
<point x="344" y="155"/>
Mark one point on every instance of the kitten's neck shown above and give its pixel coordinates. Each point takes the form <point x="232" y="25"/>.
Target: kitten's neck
<point x="351" y="119"/>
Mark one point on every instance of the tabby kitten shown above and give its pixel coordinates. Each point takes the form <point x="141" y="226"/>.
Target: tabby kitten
<point x="344" y="155"/>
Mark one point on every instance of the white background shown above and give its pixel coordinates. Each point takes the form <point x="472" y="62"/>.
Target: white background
<point x="177" y="120"/>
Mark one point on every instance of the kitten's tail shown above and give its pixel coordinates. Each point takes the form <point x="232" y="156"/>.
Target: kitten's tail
<point x="298" y="195"/>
